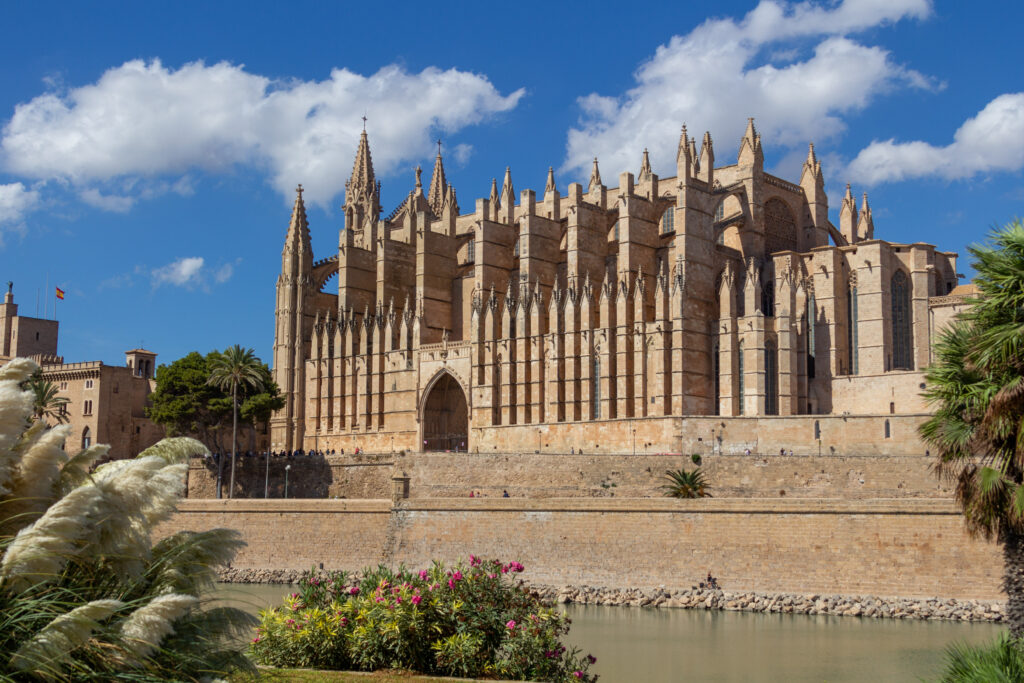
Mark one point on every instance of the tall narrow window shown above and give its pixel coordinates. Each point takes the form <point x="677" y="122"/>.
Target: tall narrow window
<point x="720" y="211"/>
<point x="741" y="296"/>
<point x="768" y="298"/>
<point x="739" y="372"/>
<point x="771" y="379"/>
<point x="471" y="250"/>
<point x="812" y="321"/>
<point x="595" y="388"/>
<point x="851" y="330"/>
<point x="86" y="438"/>
<point x="668" y="220"/>
<point x="615" y="229"/>
<point x="902" y="336"/>
<point x="515" y="249"/>
<point x="716" y="362"/>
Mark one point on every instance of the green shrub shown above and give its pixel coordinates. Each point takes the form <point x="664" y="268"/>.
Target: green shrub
<point x="1000" y="662"/>
<point x="695" y="458"/>
<point x="84" y="593"/>
<point x="683" y="484"/>
<point x="464" y="621"/>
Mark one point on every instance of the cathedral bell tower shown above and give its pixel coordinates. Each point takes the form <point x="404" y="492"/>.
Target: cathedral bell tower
<point x="292" y="330"/>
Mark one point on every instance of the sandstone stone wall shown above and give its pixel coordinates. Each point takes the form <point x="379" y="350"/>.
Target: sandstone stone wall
<point x="434" y="475"/>
<point x="565" y="475"/>
<point x="332" y="476"/>
<point x="909" y="548"/>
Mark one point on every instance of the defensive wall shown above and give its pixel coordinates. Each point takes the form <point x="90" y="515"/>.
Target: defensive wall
<point x="882" y="547"/>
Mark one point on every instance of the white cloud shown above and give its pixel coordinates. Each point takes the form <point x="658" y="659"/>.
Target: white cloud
<point x="224" y="273"/>
<point x="15" y="201"/>
<point x="147" y="121"/>
<point x="107" y="202"/>
<point x="718" y="74"/>
<point x="993" y="140"/>
<point x="185" y="272"/>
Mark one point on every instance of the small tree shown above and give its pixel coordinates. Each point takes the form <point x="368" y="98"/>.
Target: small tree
<point x="977" y="388"/>
<point x="46" y="403"/>
<point x="235" y="367"/>
<point x="683" y="484"/>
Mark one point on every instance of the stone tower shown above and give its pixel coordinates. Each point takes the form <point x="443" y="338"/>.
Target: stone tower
<point x="293" y="327"/>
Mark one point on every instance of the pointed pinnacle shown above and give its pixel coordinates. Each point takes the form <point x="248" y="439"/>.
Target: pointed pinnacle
<point x="645" y="167"/>
<point x="506" y="186"/>
<point x="595" y="177"/>
<point x="550" y="187"/>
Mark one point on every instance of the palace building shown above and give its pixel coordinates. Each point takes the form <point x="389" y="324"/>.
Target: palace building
<point x="594" y="318"/>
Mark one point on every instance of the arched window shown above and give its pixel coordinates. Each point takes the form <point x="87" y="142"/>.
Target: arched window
<point x="768" y="298"/>
<point x="86" y="438"/>
<point x="888" y="430"/>
<point x="739" y="372"/>
<point x="668" y="220"/>
<point x="595" y="387"/>
<point x="902" y="335"/>
<point x="720" y="210"/>
<point x="851" y="329"/>
<point x="471" y="250"/>
<point x="812" y="321"/>
<point x="771" y="379"/>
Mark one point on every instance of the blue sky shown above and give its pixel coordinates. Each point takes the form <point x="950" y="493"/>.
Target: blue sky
<point x="149" y="151"/>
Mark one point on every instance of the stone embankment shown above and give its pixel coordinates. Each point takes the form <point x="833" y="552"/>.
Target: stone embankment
<point x="745" y="601"/>
<point x="782" y="603"/>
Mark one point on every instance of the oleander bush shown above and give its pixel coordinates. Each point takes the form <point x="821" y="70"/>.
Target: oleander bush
<point x="469" y="620"/>
<point x="85" y="595"/>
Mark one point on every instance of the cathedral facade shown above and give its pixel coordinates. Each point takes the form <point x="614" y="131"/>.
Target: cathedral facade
<point x="721" y="292"/>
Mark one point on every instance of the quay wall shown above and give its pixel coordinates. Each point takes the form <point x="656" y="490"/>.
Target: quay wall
<point x="882" y="547"/>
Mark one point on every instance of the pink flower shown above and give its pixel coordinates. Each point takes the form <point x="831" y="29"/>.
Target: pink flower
<point x="289" y="621"/>
<point x="354" y="590"/>
<point x="416" y="599"/>
<point x="398" y="599"/>
<point x="473" y="561"/>
<point x="451" y="584"/>
<point x="256" y="639"/>
<point x="504" y="569"/>
<point x="577" y="674"/>
<point x="511" y="625"/>
<point x="492" y="576"/>
<point x="423" y="574"/>
<point x="457" y="576"/>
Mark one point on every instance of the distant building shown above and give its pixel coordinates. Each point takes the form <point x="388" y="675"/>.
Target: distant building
<point x="106" y="403"/>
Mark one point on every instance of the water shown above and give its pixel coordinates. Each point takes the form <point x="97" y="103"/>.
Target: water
<point x="634" y="644"/>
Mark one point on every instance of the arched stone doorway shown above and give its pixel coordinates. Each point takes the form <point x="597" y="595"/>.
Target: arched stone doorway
<point x="445" y="416"/>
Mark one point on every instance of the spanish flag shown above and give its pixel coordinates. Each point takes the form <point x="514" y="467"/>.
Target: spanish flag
<point x="60" y="293"/>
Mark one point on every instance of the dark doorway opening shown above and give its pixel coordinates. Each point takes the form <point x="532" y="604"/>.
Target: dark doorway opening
<point x="446" y="417"/>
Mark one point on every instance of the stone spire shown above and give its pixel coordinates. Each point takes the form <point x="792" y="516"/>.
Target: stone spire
<point x="707" y="159"/>
<point x="297" y="238"/>
<point x="362" y="170"/>
<point x="865" y="226"/>
<point x="438" y="185"/>
<point x="595" y="177"/>
<point x="494" y="193"/>
<point x="419" y="181"/>
<point x="508" y="193"/>
<point x="848" y="217"/>
<point x="645" y="168"/>
<point x="750" y="146"/>
<point x="362" y="191"/>
<point x="812" y="166"/>
<point x="550" y="186"/>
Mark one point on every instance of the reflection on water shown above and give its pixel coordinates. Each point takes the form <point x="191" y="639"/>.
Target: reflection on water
<point x="635" y="644"/>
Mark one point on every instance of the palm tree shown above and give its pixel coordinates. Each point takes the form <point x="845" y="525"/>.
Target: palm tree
<point x="235" y="367"/>
<point x="45" y="401"/>
<point x="977" y="387"/>
<point x="683" y="484"/>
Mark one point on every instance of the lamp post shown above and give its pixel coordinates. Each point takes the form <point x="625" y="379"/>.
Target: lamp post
<point x="538" y="439"/>
<point x="634" y="442"/>
<point x="287" y="468"/>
